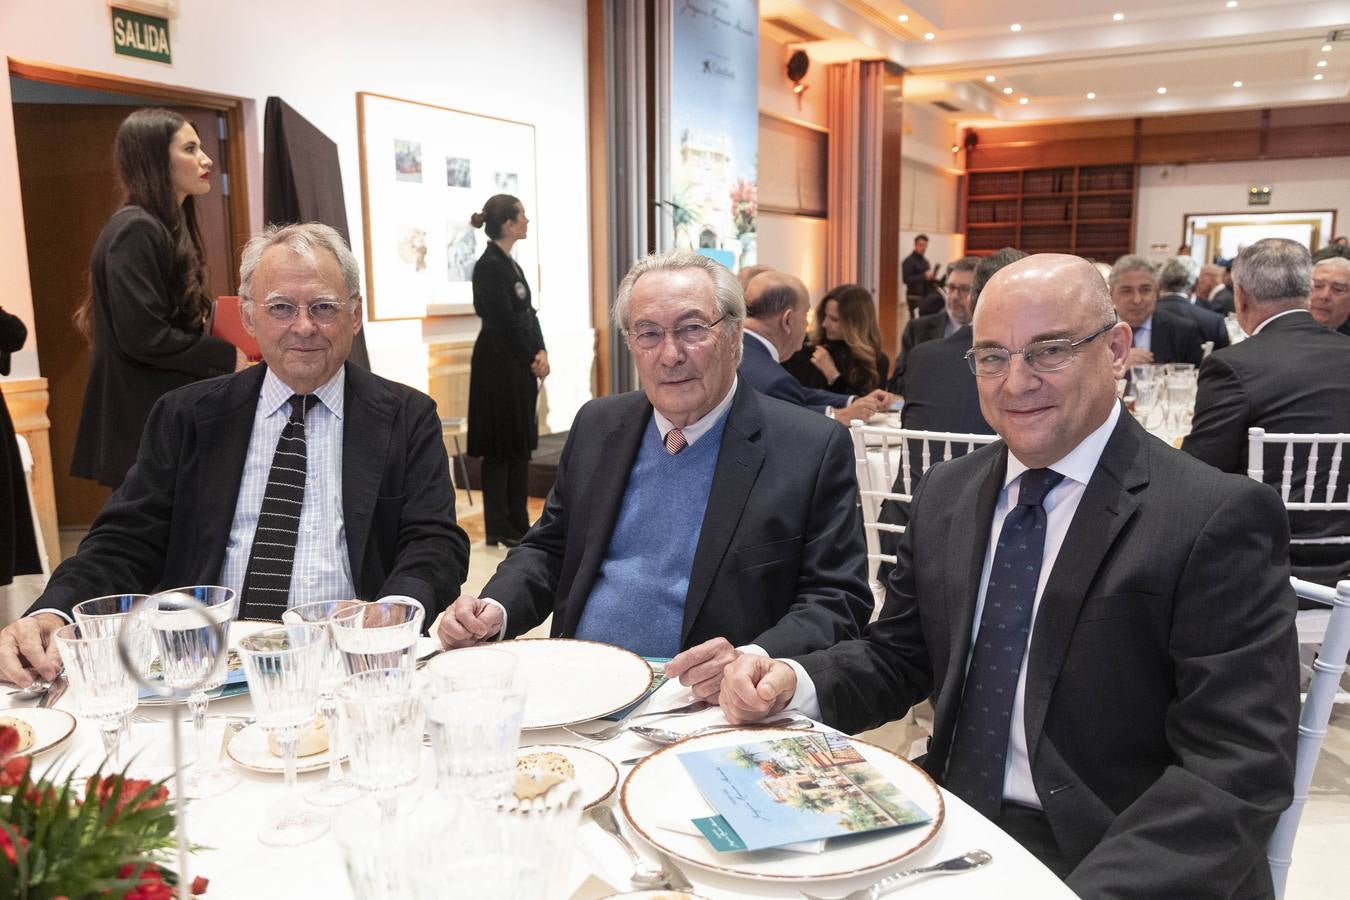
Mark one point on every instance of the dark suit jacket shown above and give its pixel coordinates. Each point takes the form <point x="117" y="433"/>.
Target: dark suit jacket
<point x="766" y="375"/>
<point x="1221" y="301"/>
<point x="919" y="330"/>
<point x="1292" y="377"/>
<point x="1162" y="678"/>
<point x="169" y="522"/>
<point x="1210" y="323"/>
<point x="1176" y="339"/>
<point x="941" y="394"/>
<point x="18" y="545"/>
<point x="780" y="559"/>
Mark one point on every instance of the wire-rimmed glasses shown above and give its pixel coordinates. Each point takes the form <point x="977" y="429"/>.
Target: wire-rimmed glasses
<point x="690" y="334"/>
<point x="1041" y="356"/>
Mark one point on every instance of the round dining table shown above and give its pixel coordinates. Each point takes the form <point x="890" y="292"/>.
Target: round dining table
<point x="239" y="866"/>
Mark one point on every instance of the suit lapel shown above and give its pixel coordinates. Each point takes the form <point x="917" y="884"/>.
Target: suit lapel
<point x="1108" y="504"/>
<point x="598" y="505"/>
<point x="738" y="463"/>
<point x="223" y="434"/>
<point x="368" y="418"/>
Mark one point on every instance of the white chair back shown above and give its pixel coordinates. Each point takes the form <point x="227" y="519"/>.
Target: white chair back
<point x="26" y="457"/>
<point x="1324" y="473"/>
<point x="1312" y="722"/>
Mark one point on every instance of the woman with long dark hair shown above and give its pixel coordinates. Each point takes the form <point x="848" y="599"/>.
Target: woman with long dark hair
<point x="509" y="361"/>
<point x="148" y="306"/>
<point x="847" y="342"/>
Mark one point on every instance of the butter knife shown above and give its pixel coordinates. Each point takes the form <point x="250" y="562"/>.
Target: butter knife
<point x="676" y="880"/>
<point x="54" y="692"/>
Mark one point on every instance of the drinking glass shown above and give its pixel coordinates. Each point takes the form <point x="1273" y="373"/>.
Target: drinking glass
<point x="474" y="736"/>
<point x="191" y="628"/>
<point x="379" y="635"/>
<point x="471" y="668"/>
<point x="115" y="611"/>
<point x="1180" y="400"/>
<point x="104" y="690"/>
<point x="283" y="666"/>
<point x="337" y="789"/>
<point x="382" y="717"/>
<point x="1147" y="393"/>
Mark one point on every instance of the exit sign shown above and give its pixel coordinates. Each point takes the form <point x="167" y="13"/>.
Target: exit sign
<point x="142" y="36"/>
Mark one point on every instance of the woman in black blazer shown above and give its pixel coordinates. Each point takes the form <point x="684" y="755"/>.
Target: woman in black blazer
<point x="18" y="545"/>
<point x="147" y="310"/>
<point x="509" y="361"/>
<point x="848" y="342"/>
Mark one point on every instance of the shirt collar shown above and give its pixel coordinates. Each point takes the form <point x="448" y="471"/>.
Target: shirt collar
<point x="1147" y="326"/>
<point x="1287" y="312"/>
<point x="1080" y="462"/>
<point x="773" y="351"/>
<point x="275" y="394"/>
<point x="697" y="429"/>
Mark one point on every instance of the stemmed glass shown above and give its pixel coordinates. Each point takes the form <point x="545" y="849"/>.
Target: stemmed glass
<point x="382" y="717"/>
<point x="284" y="666"/>
<point x="104" y="690"/>
<point x="191" y="626"/>
<point x="116" y="609"/>
<point x="379" y="635"/>
<point x="336" y="790"/>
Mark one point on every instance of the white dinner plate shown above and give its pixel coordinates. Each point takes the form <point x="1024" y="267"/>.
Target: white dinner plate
<point x="596" y="776"/>
<point x="659" y="799"/>
<point x="569" y="681"/>
<point x="248" y="750"/>
<point x="656" y="895"/>
<point x="51" y="727"/>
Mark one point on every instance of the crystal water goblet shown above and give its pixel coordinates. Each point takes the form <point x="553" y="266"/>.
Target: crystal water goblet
<point x="382" y="718"/>
<point x="379" y="635"/>
<point x="103" y="688"/>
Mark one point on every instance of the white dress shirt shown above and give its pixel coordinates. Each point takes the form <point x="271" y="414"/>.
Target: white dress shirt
<point x="1287" y="312"/>
<point x="322" y="570"/>
<point x="1060" y="504"/>
<point x="1143" y="335"/>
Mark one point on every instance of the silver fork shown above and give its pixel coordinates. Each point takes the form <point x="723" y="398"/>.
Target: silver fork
<point x="610" y="732"/>
<point x="972" y="859"/>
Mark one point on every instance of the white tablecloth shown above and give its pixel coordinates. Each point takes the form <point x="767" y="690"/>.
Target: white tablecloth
<point x="241" y="867"/>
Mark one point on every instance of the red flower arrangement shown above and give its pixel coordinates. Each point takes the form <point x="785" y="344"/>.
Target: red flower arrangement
<point x="104" y="843"/>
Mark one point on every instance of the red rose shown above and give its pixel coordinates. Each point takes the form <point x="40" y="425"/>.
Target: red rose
<point x="9" y="741"/>
<point x="199" y="885"/>
<point x="150" y="886"/>
<point x="7" y="846"/>
<point x="13" y="770"/>
<point x="101" y="789"/>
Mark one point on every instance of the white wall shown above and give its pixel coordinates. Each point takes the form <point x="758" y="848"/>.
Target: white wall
<point x="525" y="63"/>
<point x="928" y="187"/>
<point x="1167" y="194"/>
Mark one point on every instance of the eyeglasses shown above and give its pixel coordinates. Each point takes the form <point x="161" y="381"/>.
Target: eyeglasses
<point x="323" y="312"/>
<point x="1042" y="356"/>
<point x="691" y="335"/>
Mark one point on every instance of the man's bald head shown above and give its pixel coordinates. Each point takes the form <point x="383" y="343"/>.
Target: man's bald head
<point x="775" y="307"/>
<point x="747" y="274"/>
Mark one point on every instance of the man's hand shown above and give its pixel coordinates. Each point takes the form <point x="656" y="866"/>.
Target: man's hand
<point x="700" y="668"/>
<point x="27" y="651"/>
<point x="755" y="687"/>
<point x="883" y="399"/>
<point x="822" y="360"/>
<point x="863" y="408"/>
<point x="469" y="621"/>
<point x="539" y="366"/>
<point x="1138" y="357"/>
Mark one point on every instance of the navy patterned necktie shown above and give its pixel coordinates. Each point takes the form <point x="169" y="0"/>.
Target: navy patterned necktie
<point x="980" y="741"/>
<point x="267" y="580"/>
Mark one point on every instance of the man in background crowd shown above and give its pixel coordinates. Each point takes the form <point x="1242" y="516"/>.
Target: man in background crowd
<point x="954" y="315"/>
<point x="1176" y="280"/>
<point x="917" y="274"/>
<point x="1158" y="336"/>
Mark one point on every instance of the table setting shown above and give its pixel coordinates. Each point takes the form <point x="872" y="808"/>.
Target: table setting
<point x="362" y="761"/>
<point x="1161" y="397"/>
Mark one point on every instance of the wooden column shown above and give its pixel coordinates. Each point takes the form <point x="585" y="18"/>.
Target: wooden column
<point x="889" y="251"/>
<point x="27" y="402"/>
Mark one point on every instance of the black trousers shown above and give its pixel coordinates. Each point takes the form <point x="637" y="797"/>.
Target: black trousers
<point x="1030" y="828"/>
<point x="505" y="487"/>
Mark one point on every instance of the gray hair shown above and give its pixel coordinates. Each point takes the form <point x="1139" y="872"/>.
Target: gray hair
<point x="302" y="240"/>
<point x="727" y="297"/>
<point x="1332" y="262"/>
<point x="964" y="264"/>
<point x="1130" y="262"/>
<point x="1274" y="270"/>
<point x="985" y="268"/>
<point x="1178" y="275"/>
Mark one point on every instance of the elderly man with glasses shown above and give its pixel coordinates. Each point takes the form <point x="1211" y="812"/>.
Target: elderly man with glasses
<point x="303" y="479"/>
<point x="1104" y="625"/>
<point x="697" y="518"/>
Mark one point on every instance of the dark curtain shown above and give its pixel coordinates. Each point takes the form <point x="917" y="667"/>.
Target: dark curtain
<point x="302" y="182"/>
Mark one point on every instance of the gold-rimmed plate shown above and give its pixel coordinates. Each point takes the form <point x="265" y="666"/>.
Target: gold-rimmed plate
<point x="51" y="727"/>
<point x="248" y="749"/>
<point x="659" y="800"/>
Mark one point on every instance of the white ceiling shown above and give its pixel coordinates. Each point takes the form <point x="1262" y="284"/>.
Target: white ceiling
<point x="1067" y="48"/>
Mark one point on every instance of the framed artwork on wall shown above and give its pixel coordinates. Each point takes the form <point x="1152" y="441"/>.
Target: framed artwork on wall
<point x="424" y="171"/>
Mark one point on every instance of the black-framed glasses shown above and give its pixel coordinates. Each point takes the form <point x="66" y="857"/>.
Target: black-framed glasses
<point x="321" y="312"/>
<point x="691" y="334"/>
<point x="1042" y="356"/>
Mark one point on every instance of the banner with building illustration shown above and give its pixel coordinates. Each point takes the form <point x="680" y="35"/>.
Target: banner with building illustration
<point x="714" y="128"/>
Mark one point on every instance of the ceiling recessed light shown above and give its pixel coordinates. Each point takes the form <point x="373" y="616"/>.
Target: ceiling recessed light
<point x="1321" y="64"/>
<point x="1237" y="84"/>
<point x="928" y="35"/>
<point x="1162" y="90"/>
<point x="1091" y="95"/>
<point x="1015" y="27"/>
<point x="1118" y="17"/>
<point x="904" y="18"/>
<point x="1023" y="100"/>
<point x="1232" y="3"/>
<point x="1326" y="48"/>
<point x="990" y="78"/>
<point x="1317" y="77"/>
<point x="1007" y="90"/>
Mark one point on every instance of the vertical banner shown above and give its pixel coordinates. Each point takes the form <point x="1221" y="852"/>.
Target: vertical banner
<point x="714" y="128"/>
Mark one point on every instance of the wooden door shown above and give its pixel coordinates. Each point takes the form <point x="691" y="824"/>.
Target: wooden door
<point x="69" y="190"/>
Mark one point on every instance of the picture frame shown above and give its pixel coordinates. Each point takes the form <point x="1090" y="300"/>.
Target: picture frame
<point x="425" y="169"/>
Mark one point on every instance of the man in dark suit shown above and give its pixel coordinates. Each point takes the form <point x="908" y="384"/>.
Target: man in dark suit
<point x="1133" y="723"/>
<point x="1329" y="301"/>
<point x="376" y="508"/>
<point x="1159" y="337"/>
<point x="917" y="274"/>
<point x="1221" y="299"/>
<point x="775" y="323"/>
<point x="1176" y="280"/>
<point x="954" y="315"/>
<point x="1292" y="376"/>
<point x="698" y="519"/>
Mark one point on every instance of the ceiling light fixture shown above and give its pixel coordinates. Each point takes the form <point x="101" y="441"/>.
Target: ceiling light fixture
<point x="1321" y="64"/>
<point x="1232" y="4"/>
<point x="1091" y="95"/>
<point x="1023" y="100"/>
<point x="1015" y="27"/>
<point x="1326" y="48"/>
<point x="928" y="35"/>
<point x="1007" y="90"/>
<point x="1162" y="90"/>
<point x="1118" y="17"/>
<point x="904" y="18"/>
<point x="1237" y="84"/>
<point x="990" y="78"/>
<point x="1317" y="77"/>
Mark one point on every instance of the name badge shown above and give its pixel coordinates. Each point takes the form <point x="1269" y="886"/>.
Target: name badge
<point x="520" y="289"/>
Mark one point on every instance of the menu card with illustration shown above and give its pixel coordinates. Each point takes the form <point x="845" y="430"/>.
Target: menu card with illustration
<point x="793" y="790"/>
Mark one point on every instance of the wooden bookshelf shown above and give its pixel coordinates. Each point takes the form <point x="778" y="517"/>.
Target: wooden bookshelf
<point x="1085" y="210"/>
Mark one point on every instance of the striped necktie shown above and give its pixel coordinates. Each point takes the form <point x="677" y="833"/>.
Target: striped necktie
<point x="267" y="580"/>
<point x="675" y="441"/>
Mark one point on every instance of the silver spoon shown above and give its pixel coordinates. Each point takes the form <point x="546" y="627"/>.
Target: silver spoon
<point x="644" y="874"/>
<point x="38" y="688"/>
<point x="972" y="859"/>
<point x="666" y="736"/>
